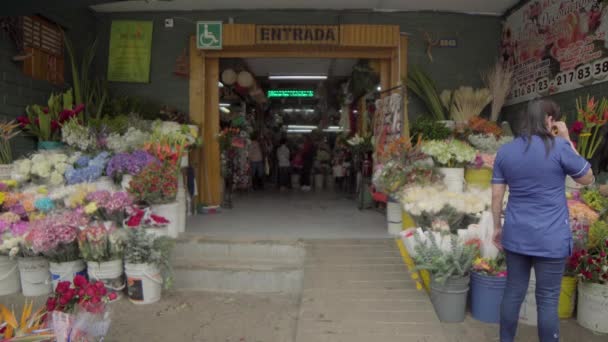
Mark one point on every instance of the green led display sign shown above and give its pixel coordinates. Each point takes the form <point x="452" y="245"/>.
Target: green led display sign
<point x="291" y="93"/>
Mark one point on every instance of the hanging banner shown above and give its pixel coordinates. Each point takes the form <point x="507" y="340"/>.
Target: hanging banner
<point x="130" y="51"/>
<point x="555" y="46"/>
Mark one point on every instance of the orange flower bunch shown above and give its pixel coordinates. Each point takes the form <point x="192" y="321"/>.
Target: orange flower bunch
<point x="165" y="152"/>
<point x="481" y="125"/>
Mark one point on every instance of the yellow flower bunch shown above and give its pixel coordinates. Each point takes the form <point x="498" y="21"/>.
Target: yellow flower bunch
<point x="90" y="208"/>
<point x="36" y="216"/>
<point x="11" y="183"/>
<point x="2" y="197"/>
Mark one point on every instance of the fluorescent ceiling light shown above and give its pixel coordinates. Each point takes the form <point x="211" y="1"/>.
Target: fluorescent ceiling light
<point x="225" y="110"/>
<point x="299" y="130"/>
<point x="297" y="77"/>
<point x="334" y="129"/>
<point x="220" y="84"/>
<point x="225" y="104"/>
<point x="300" y="127"/>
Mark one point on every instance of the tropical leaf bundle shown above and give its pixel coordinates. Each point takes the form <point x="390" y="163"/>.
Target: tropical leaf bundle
<point x="420" y="83"/>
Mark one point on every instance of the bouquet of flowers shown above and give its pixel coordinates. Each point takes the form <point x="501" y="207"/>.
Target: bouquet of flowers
<point x="86" y="169"/>
<point x="126" y="163"/>
<point x="100" y="242"/>
<point x="480" y="125"/>
<point x="156" y="184"/>
<point x="132" y="139"/>
<point x="143" y="218"/>
<point x="591" y="264"/>
<point x="45" y="122"/>
<point x="484" y="160"/>
<point x="108" y="206"/>
<point x="72" y="196"/>
<point x="55" y="235"/>
<point x="176" y="133"/>
<point x="144" y="248"/>
<point x="30" y="326"/>
<point x="595" y="200"/>
<point x="488" y="143"/>
<point x="581" y="212"/>
<point x="227" y="137"/>
<point x="449" y="153"/>
<point x="591" y="116"/>
<point x="78" y="310"/>
<point x="78" y="136"/>
<point x="12" y="237"/>
<point x="496" y="267"/>
<point x="440" y="210"/>
<point x="43" y="168"/>
<point x="360" y="144"/>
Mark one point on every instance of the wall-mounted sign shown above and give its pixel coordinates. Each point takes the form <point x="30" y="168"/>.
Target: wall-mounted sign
<point x="298" y="34"/>
<point x="209" y="35"/>
<point x="448" y="42"/>
<point x="130" y="51"/>
<point x="555" y="46"/>
<point x="290" y="93"/>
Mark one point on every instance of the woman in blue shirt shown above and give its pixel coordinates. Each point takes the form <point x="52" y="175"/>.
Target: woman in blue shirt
<point x="536" y="231"/>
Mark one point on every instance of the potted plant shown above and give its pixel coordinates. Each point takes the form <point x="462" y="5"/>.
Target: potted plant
<point x="147" y="266"/>
<point x="45" y="122"/>
<point x="451" y="156"/>
<point x="102" y="246"/>
<point x="488" y="281"/>
<point x="7" y="132"/>
<point x="450" y="274"/>
<point x="54" y="237"/>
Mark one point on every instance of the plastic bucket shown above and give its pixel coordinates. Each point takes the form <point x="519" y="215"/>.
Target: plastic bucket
<point x="567" y="297"/>
<point x="486" y="296"/>
<point x="105" y="183"/>
<point x="478" y="178"/>
<point x="144" y="283"/>
<point x="593" y="307"/>
<point x="527" y="313"/>
<point x="450" y="299"/>
<point x="111" y="273"/>
<point x="9" y="276"/>
<point x="394" y="217"/>
<point x="170" y="212"/>
<point x="453" y="178"/>
<point x="50" y="145"/>
<point x="6" y="171"/>
<point x="35" y="276"/>
<point x="125" y="183"/>
<point x="407" y="221"/>
<point x="66" y="271"/>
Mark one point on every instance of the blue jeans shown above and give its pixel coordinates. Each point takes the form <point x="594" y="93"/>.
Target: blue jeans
<point x="549" y="273"/>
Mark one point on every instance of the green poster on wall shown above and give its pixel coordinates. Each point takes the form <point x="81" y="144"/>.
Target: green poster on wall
<point x="130" y="51"/>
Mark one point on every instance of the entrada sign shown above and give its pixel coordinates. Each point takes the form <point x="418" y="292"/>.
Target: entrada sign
<point x="298" y="34"/>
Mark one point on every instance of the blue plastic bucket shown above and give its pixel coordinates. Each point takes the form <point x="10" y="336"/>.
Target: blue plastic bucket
<point x="486" y="295"/>
<point x="50" y="145"/>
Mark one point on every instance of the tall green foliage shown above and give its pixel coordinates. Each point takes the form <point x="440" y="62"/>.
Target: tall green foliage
<point x="421" y="84"/>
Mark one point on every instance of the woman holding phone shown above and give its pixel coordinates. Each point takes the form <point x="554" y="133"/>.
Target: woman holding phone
<point x="536" y="231"/>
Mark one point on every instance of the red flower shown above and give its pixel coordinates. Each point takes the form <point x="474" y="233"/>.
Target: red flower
<point x="90" y="292"/>
<point x="65" y="115"/>
<point x="63" y="300"/>
<point x="79" y="108"/>
<point x="45" y="110"/>
<point x="54" y="125"/>
<point x="112" y="296"/>
<point x="80" y="281"/>
<point x="577" y="127"/>
<point x="62" y="287"/>
<point x="23" y="121"/>
<point x="51" y="304"/>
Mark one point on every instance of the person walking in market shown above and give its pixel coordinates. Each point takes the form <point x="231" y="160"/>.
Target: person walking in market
<point x="256" y="161"/>
<point x="283" y="160"/>
<point x="536" y="230"/>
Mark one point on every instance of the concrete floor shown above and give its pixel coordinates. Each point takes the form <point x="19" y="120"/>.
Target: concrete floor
<point x="291" y="215"/>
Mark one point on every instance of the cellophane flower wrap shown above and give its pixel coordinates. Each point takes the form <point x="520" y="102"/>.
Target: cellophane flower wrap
<point x="78" y="310"/>
<point x="101" y="242"/>
<point x="55" y="235"/>
<point x="87" y="169"/>
<point x="449" y="153"/>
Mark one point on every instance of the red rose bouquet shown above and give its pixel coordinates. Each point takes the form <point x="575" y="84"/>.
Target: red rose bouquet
<point x="591" y="264"/>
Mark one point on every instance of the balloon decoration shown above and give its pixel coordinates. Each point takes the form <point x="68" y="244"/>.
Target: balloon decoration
<point x="245" y="79"/>
<point x="228" y="77"/>
<point x="244" y="84"/>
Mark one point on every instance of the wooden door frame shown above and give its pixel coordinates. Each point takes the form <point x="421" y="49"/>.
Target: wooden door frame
<point x="383" y="43"/>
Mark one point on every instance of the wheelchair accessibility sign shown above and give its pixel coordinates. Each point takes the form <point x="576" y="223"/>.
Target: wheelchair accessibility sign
<point x="209" y="35"/>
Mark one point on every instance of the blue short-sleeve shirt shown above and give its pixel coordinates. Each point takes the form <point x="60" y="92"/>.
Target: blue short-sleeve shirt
<point x="536" y="219"/>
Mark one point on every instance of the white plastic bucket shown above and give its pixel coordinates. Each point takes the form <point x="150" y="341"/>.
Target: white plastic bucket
<point x="319" y="182"/>
<point x="453" y="178"/>
<point x="6" y="171"/>
<point x="170" y="212"/>
<point x="105" y="183"/>
<point x="9" y="276"/>
<point x="527" y="313"/>
<point x="66" y="271"/>
<point x="144" y="283"/>
<point x="593" y="307"/>
<point x="394" y="217"/>
<point x="126" y="181"/>
<point x="35" y="276"/>
<point x="111" y="273"/>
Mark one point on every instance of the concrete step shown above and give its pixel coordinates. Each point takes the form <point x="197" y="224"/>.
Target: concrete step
<point x="231" y="276"/>
<point x="197" y="248"/>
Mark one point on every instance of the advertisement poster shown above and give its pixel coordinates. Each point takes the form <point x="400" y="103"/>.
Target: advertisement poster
<point x="130" y="51"/>
<point x="555" y="46"/>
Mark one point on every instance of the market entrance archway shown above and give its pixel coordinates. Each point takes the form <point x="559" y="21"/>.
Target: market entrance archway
<point x="382" y="44"/>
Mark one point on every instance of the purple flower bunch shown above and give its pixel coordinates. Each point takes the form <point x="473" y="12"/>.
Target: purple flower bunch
<point x="20" y="228"/>
<point x="129" y="163"/>
<point x="87" y="169"/>
<point x="48" y="234"/>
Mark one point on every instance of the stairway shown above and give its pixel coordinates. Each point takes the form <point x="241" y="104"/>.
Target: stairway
<point x="250" y="266"/>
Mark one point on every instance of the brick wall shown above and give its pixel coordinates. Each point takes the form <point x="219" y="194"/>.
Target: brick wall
<point x="478" y="39"/>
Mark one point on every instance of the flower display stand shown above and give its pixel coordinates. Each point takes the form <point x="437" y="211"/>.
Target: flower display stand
<point x="480" y="178"/>
<point x="593" y="307"/>
<point x="453" y="178"/>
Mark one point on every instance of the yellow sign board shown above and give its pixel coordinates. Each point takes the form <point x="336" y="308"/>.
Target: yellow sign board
<point x="298" y="34"/>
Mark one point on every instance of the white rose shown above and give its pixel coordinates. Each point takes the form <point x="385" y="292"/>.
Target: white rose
<point x="42" y="169"/>
<point x="61" y="167"/>
<point x="56" y="178"/>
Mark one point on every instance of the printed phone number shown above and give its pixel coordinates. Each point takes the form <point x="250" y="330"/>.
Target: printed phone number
<point x="583" y="74"/>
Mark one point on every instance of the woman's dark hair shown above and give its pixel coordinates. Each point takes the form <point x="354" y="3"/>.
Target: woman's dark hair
<point x="532" y="122"/>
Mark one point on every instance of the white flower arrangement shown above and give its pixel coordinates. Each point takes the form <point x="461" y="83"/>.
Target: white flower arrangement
<point x="417" y="200"/>
<point x="78" y="136"/>
<point x="49" y="168"/>
<point x="449" y="153"/>
<point x="9" y="245"/>
<point x="488" y="143"/>
<point x="132" y="139"/>
<point x="176" y="131"/>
